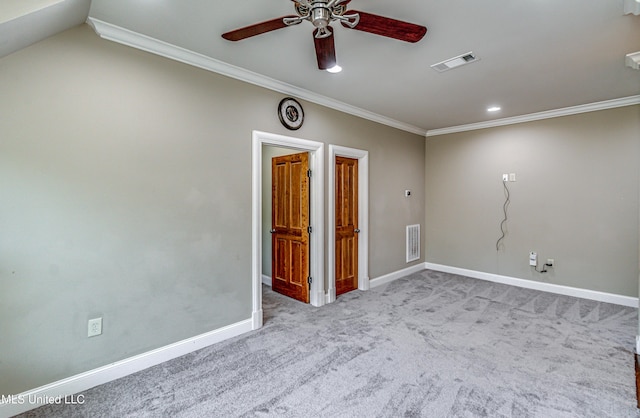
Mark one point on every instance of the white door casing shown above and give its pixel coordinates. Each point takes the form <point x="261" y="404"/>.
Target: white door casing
<point x="316" y="207"/>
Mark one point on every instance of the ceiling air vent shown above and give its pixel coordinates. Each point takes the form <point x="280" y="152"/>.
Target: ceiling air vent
<point x="454" y="62"/>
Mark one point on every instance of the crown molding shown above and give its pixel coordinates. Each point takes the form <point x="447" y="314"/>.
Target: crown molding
<point x="145" y="43"/>
<point x="632" y="7"/>
<point x="632" y="60"/>
<point x="565" y="111"/>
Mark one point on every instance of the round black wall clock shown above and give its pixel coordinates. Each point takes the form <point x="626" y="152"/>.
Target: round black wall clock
<point x="290" y="113"/>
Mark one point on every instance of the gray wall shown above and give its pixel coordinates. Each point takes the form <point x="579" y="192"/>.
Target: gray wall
<point x="125" y="184"/>
<point x="575" y="199"/>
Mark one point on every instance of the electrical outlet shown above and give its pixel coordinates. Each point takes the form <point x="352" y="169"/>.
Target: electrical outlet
<point x="505" y="177"/>
<point x="512" y="176"/>
<point x="533" y="259"/>
<point x="550" y="262"/>
<point x="95" y="327"/>
<point x="407" y="193"/>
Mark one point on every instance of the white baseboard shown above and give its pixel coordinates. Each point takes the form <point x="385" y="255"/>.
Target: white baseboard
<point x="257" y="319"/>
<point x="364" y="283"/>
<point x="63" y="390"/>
<point x="545" y="287"/>
<point x="379" y="281"/>
<point x="321" y="299"/>
<point x="266" y="280"/>
<point x="330" y="297"/>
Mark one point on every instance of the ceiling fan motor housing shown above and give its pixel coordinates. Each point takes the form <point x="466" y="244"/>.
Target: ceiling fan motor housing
<point x="320" y="14"/>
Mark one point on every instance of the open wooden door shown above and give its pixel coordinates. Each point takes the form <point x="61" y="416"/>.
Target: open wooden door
<point x="289" y="225"/>
<point x="346" y="224"/>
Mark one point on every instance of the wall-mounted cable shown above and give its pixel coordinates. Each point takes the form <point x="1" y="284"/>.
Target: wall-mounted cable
<point x="504" y="210"/>
<point x="544" y="268"/>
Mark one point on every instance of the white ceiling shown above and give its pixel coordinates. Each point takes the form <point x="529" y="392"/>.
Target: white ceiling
<point x="11" y="9"/>
<point x="535" y="55"/>
<point x="24" y="22"/>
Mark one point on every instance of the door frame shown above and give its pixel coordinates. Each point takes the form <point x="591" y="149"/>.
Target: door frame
<point x="316" y="207"/>
<point x="363" y="217"/>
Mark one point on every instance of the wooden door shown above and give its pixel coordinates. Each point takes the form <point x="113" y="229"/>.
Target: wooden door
<point x="289" y="225"/>
<point x="346" y="224"/>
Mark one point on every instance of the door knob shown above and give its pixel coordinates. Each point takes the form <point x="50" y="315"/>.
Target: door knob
<point x="272" y="230"/>
<point x="357" y="230"/>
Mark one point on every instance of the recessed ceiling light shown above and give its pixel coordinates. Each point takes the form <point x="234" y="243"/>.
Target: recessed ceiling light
<point x="493" y="109"/>
<point x="335" y="69"/>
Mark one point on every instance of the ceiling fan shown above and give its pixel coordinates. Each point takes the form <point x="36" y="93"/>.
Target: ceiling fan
<point x="321" y="13"/>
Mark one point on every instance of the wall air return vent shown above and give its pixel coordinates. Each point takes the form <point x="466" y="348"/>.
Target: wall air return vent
<point x="413" y="242"/>
<point x="454" y="62"/>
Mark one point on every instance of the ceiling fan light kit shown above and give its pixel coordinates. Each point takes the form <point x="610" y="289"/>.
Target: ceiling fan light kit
<point x="321" y="13"/>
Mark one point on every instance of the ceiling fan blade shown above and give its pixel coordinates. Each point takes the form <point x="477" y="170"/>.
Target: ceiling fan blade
<point x="257" y="29"/>
<point x="391" y="28"/>
<point x="325" y="50"/>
